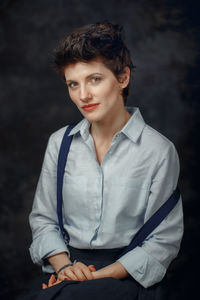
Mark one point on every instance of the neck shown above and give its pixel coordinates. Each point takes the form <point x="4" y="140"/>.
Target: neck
<point x="107" y="128"/>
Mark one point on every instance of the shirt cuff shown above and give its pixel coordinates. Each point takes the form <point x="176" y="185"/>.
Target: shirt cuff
<point x="47" y="245"/>
<point x="142" y="267"/>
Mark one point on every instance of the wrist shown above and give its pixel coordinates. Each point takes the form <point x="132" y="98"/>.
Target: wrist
<point x="64" y="267"/>
<point x="59" y="260"/>
<point x="115" y="270"/>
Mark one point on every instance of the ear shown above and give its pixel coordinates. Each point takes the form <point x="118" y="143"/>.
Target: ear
<point x="124" y="78"/>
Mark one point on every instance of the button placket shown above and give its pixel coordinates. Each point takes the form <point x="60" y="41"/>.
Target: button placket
<point x="113" y="144"/>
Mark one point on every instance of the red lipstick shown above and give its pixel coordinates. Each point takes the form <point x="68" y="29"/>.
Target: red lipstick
<point x="90" y="107"/>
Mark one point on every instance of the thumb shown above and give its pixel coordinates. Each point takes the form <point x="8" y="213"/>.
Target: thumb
<point x="92" y="268"/>
<point x="52" y="280"/>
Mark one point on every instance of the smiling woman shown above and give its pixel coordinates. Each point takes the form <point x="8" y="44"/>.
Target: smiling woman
<point x="119" y="171"/>
<point x="97" y="92"/>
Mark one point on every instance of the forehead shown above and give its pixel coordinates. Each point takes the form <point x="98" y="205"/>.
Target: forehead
<point x="84" y="69"/>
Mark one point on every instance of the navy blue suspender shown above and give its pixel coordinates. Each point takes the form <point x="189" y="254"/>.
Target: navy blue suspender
<point x="144" y="231"/>
<point x="153" y="222"/>
<point x="62" y="159"/>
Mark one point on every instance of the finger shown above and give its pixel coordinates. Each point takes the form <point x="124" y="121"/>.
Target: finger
<point x="85" y="274"/>
<point x="62" y="277"/>
<point x="57" y="282"/>
<point x="70" y="274"/>
<point x="88" y="273"/>
<point x="80" y="274"/>
<point x="52" y="280"/>
<point x="92" y="268"/>
<point x="44" y="286"/>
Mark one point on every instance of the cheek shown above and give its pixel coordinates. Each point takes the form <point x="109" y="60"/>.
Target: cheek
<point x="73" y="96"/>
<point x="110" y="89"/>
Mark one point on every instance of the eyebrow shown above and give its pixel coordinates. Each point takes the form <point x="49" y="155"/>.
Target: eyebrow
<point x="96" y="73"/>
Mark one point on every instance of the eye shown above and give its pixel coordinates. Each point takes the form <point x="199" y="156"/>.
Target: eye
<point x="95" y="79"/>
<point x="72" y="84"/>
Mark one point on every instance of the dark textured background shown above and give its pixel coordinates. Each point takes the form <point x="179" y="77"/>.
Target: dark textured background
<point x="163" y="37"/>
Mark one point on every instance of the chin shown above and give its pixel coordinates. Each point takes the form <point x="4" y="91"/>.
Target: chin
<point x="93" y="120"/>
<point x="92" y="117"/>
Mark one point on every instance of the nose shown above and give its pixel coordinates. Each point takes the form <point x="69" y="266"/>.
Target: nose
<point x="85" y="94"/>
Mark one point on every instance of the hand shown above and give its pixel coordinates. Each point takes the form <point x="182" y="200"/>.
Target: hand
<point x="52" y="281"/>
<point x="61" y="277"/>
<point x="78" y="271"/>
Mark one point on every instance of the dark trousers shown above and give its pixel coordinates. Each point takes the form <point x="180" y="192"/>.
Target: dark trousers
<point x="100" y="289"/>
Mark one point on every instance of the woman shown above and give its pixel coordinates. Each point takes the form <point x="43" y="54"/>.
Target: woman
<point x="119" y="171"/>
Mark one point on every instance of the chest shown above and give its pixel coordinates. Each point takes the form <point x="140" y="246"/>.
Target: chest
<point x="101" y="148"/>
<point x="116" y="159"/>
<point x="117" y="188"/>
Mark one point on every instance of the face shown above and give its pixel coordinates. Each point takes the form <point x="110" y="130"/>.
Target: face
<point x="95" y="90"/>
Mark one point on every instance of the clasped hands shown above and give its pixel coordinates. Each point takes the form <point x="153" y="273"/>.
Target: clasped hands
<point x="78" y="271"/>
<point x="81" y="272"/>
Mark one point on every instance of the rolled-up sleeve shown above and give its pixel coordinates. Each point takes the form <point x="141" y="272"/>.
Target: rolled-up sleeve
<point x="148" y="263"/>
<point x="47" y="239"/>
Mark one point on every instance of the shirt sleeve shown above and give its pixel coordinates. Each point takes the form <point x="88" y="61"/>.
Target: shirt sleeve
<point x="148" y="263"/>
<point x="47" y="239"/>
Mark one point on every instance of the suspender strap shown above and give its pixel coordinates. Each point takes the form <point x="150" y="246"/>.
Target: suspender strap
<point x="62" y="159"/>
<point x="153" y="222"/>
<point x="144" y="231"/>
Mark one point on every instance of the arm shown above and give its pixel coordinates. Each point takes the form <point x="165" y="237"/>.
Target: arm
<point x="148" y="263"/>
<point x="48" y="247"/>
<point x="59" y="260"/>
<point x="77" y="271"/>
<point x="47" y="239"/>
<point x="115" y="270"/>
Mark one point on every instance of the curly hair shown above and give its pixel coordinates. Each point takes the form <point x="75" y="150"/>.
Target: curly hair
<point x="100" y="40"/>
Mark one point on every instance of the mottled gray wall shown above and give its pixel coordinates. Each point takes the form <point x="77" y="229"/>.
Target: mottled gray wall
<point x="163" y="39"/>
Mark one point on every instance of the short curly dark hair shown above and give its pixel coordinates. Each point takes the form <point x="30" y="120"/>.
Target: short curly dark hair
<point x="100" y="40"/>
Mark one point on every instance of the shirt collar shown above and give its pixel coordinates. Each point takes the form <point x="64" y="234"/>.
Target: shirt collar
<point x="132" y="129"/>
<point x="135" y="125"/>
<point x="82" y="127"/>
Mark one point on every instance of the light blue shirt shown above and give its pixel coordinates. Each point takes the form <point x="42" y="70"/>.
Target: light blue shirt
<point x="105" y="205"/>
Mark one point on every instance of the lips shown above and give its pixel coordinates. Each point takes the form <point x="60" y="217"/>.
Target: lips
<point x="90" y="107"/>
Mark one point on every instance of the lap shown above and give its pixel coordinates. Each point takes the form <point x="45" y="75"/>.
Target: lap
<point x="105" y="288"/>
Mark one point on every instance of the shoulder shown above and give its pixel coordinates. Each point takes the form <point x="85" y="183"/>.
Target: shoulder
<point x="147" y="138"/>
<point x="155" y="140"/>
<point x="57" y="135"/>
<point x="157" y="147"/>
<point x="55" y="139"/>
